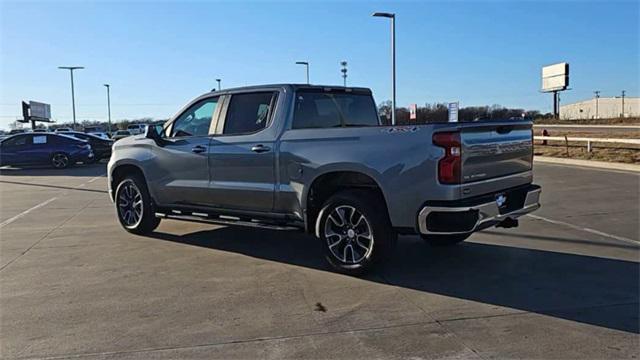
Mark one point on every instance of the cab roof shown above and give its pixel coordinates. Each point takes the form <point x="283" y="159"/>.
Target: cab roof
<point x="360" y="90"/>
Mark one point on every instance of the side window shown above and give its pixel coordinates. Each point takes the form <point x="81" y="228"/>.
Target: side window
<point x="15" y="141"/>
<point x="315" y="110"/>
<point x="57" y="139"/>
<point x="196" y="120"/>
<point x="249" y="113"/>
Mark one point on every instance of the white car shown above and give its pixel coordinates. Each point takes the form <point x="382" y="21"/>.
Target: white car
<point x="63" y="129"/>
<point x="120" y="134"/>
<point x="102" y="135"/>
<point x="136" y="129"/>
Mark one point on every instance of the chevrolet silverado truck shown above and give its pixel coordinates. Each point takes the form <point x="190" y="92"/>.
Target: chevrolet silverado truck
<point x="318" y="159"/>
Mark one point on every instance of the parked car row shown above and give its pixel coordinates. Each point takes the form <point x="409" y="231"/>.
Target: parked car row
<point x="101" y="147"/>
<point x="133" y="129"/>
<point x="60" y="150"/>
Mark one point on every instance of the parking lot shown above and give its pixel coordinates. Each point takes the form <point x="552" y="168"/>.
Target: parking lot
<point x="74" y="284"/>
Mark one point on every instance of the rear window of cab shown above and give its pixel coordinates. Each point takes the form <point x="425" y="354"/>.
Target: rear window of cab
<point x="317" y="109"/>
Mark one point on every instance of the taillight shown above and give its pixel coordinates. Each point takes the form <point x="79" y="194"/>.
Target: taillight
<point x="449" y="167"/>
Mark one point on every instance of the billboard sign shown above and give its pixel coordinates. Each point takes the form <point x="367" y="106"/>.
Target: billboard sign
<point x="453" y="111"/>
<point x="413" y="111"/>
<point x="555" y="77"/>
<point x="39" y="111"/>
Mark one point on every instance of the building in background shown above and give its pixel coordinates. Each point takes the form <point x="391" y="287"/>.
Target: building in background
<point x="601" y="108"/>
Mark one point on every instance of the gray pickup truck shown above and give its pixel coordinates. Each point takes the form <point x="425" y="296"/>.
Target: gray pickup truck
<point x="318" y="159"/>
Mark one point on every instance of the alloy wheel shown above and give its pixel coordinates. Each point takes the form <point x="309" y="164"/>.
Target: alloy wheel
<point x="348" y="235"/>
<point x="60" y="160"/>
<point x="130" y="205"/>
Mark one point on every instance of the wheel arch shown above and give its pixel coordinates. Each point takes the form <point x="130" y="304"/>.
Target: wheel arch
<point x="327" y="183"/>
<point x="120" y="171"/>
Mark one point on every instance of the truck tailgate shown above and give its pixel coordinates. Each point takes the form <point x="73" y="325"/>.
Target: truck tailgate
<point x="492" y="150"/>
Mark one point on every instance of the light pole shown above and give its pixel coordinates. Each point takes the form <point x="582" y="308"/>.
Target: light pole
<point x="344" y="72"/>
<point x="108" y="108"/>
<point x="623" y="95"/>
<point x="219" y="87"/>
<point x="597" y="94"/>
<point x="73" y="98"/>
<point x="392" y="16"/>
<point x="305" y="63"/>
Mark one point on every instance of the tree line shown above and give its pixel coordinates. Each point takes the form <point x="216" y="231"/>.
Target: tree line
<point x="439" y="112"/>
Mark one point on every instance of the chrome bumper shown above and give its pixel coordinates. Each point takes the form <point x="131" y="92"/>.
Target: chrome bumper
<point x="488" y="213"/>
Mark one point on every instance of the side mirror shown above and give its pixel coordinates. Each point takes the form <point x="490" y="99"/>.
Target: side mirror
<point x="152" y="133"/>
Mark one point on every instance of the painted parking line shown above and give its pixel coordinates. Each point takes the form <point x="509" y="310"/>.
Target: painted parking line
<point x="44" y="203"/>
<point x="589" y="230"/>
<point x="9" y="221"/>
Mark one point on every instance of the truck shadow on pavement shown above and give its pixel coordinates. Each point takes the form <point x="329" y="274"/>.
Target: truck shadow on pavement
<point x="591" y="290"/>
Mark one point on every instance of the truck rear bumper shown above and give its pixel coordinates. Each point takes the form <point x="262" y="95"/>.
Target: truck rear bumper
<point x="469" y="215"/>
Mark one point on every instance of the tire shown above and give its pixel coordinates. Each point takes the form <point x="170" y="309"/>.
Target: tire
<point x="137" y="218"/>
<point x="355" y="232"/>
<point x="445" y="240"/>
<point x="60" y="160"/>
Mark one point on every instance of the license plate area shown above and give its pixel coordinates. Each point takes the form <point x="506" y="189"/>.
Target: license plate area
<point x="510" y="201"/>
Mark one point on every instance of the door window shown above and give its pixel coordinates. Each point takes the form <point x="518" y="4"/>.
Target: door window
<point x="316" y="109"/>
<point x="15" y="141"/>
<point x="249" y="113"/>
<point x="196" y="120"/>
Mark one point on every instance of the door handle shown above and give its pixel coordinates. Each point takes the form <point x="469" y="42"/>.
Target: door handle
<point x="260" y="148"/>
<point x="198" y="149"/>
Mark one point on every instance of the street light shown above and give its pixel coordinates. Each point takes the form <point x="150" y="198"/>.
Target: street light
<point x="344" y="72"/>
<point x="108" y="108"/>
<point x="73" y="99"/>
<point x="391" y="16"/>
<point x="305" y="63"/>
<point x="597" y="95"/>
<point x="219" y="80"/>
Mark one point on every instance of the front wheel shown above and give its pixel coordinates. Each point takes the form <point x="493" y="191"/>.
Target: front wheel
<point x="445" y="240"/>
<point x="355" y="233"/>
<point x="134" y="206"/>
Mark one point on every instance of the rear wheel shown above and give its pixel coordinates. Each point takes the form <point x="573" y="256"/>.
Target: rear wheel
<point x="60" y="160"/>
<point x="354" y="232"/>
<point x="134" y="206"/>
<point x="445" y="240"/>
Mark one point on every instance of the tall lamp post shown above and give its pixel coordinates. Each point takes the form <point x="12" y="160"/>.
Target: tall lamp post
<point x="305" y="63"/>
<point x="219" y="81"/>
<point x="391" y="16"/>
<point x="73" y="98"/>
<point x="108" y="107"/>
<point x="597" y="96"/>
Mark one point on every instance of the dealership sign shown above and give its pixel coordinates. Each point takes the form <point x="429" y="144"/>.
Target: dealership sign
<point x="39" y="111"/>
<point x="453" y="111"/>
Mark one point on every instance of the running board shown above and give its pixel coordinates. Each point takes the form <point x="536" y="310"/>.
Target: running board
<point x="225" y="220"/>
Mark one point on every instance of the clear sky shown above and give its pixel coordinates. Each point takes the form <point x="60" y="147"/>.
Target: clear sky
<point x="159" y="55"/>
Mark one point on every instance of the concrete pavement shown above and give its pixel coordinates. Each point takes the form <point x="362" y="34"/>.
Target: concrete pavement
<point x="73" y="284"/>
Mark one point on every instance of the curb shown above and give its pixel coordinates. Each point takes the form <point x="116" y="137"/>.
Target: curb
<point x="588" y="163"/>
